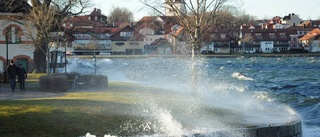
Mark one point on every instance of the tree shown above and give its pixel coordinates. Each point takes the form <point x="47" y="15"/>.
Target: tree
<point x="202" y="14"/>
<point x="45" y="17"/>
<point x="120" y="15"/>
<point x="231" y="16"/>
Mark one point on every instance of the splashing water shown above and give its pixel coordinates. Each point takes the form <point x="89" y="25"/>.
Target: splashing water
<point x="223" y="102"/>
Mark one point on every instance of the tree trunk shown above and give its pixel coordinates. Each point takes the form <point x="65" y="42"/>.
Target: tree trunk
<point x="196" y="43"/>
<point x="40" y="57"/>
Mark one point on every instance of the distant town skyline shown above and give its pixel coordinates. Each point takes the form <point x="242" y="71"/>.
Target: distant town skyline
<point x="261" y="9"/>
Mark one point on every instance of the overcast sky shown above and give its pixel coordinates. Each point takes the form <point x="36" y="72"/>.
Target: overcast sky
<point x="306" y="9"/>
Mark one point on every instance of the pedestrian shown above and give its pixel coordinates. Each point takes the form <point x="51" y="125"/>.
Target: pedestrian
<point x="12" y="72"/>
<point x="22" y="75"/>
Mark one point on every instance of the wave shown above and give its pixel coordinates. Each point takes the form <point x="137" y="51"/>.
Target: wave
<point x="241" y="76"/>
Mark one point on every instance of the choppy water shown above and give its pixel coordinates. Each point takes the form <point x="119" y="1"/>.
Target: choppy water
<point x="292" y="81"/>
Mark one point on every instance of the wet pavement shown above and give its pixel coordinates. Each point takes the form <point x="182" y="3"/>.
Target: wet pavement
<point x="7" y="94"/>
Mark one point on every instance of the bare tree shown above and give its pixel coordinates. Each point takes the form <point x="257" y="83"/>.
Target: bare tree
<point x="120" y="15"/>
<point x="45" y="17"/>
<point x="201" y="15"/>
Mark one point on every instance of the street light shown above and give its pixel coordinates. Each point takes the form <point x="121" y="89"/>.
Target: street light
<point x="7" y="57"/>
<point x="65" y="56"/>
<point x="95" y="60"/>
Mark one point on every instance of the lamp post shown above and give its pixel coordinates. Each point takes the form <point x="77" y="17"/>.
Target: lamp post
<point x="95" y="60"/>
<point x="65" y="57"/>
<point x="7" y="58"/>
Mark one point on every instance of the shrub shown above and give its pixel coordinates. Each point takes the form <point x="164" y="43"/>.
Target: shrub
<point x="54" y="83"/>
<point x="70" y="76"/>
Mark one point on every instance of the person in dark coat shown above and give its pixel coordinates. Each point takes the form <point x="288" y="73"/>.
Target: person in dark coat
<point x="12" y="72"/>
<point x="22" y="75"/>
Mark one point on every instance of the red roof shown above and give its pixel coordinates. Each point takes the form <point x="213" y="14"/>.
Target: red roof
<point x="311" y="34"/>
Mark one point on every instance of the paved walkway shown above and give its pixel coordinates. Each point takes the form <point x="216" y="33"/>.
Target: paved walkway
<point x="7" y="94"/>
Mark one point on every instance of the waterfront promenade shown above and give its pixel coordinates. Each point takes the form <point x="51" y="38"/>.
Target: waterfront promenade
<point x="7" y="94"/>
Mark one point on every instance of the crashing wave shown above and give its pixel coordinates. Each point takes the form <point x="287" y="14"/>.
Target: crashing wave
<point x="240" y="76"/>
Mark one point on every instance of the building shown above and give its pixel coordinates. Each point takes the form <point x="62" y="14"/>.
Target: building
<point x="160" y="46"/>
<point x="179" y="4"/>
<point x="127" y="41"/>
<point x="15" y="41"/>
<point x="93" y="35"/>
<point x="221" y="41"/>
<point x="291" y="20"/>
<point x="155" y="28"/>
<point x="265" y="40"/>
<point x="311" y="41"/>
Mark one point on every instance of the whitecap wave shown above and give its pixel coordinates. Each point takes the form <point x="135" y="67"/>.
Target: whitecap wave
<point x="240" y="76"/>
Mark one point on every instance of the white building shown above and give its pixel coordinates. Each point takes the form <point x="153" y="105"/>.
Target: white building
<point x="311" y="41"/>
<point x="15" y="41"/>
<point x="180" y="4"/>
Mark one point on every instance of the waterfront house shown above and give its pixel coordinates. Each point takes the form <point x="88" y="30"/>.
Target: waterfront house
<point x="127" y="41"/>
<point x="90" y="33"/>
<point x="311" y="41"/>
<point x="300" y="31"/>
<point x="265" y="40"/>
<point x="160" y="46"/>
<point x="221" y="41"/>
<point x="93" y="35"/>
<point x="151" y="27"/>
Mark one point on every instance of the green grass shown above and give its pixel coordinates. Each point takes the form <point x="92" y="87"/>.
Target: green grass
<point x="99" y="112"/>
<point x="74" y="114"/>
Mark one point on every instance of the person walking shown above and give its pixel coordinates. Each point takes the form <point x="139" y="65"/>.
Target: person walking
<point x="12" y="72"/>
<point x="22" y="75"/>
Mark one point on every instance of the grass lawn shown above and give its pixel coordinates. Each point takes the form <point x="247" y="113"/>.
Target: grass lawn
<point x="118" y="110"/>
<point x="98" y="112"/>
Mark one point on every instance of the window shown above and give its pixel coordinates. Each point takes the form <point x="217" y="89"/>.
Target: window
<point x="13" y="34"/>
<point x="259" y="35"/>
<point x="282" y="35"/>
<point x="119" y="43"/>
<point x="235" y="34"/>
<point x="247" y="35"/>
<point x="272" y="35"/>
<point x="126" y="34"/>
<point x="223" y="36"/>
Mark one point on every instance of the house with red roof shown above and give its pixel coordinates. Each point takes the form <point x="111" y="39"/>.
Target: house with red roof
<point x="311" y="41"/>
<point x="158" y="28"/>
<point x="127" y="41"/>
<point x="265" y="40"/>
<point x="93" y="35"/>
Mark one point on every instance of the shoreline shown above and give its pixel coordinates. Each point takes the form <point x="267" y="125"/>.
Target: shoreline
<point x="208" y="56"/>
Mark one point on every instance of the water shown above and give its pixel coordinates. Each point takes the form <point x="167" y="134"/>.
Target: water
<point x="259" y="90"/>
